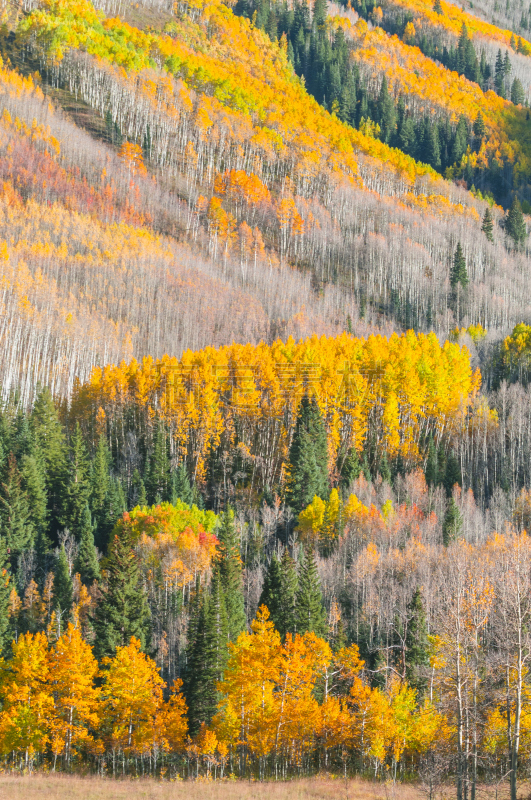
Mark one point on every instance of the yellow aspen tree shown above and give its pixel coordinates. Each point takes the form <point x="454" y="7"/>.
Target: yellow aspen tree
<point x="73" y="670"/>
<point x="26" y="697"/>
<point x="132" y="699"/>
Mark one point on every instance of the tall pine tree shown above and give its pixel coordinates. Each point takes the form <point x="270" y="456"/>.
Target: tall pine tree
<point x="122" y="611"/>
<point x="230" y="572"/>
<point x="308" y="458"/>
<point x="62" y="587"/>
<point x="207" y="654"/>
<point x="50" y="449"/>
<point x="76" y="491"/>
<point x="158" y="478"/>
<point x="86" y="563"/>
<point x="310" y="612"/>
<point x="417" y="645"/>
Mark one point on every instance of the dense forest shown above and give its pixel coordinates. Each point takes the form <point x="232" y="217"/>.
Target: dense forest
<point x="265" y="416"/>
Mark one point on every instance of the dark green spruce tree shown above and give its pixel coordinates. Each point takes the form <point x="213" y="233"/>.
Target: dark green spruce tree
<point x="417" y="645"/>
<point x="16" y="526"/>
<point x="452" y="474"/>
<point x="310" y="612"/>
<point x="351" y="468"/>
<point x="289" y="584"/>
<point x="487" y="226"/>
<point x="4" y="597"/>
<point x="50" y="448"/>
<point x="432" y="466"/>
<point x="515" y="226"/>
<point x="99" y="487"/>
<point x="230" y="573"/>
<point x="308" y="458"/>
<point x="207" y="654"/>
<point x="86" y="563"/>
<point x="62" y="588"/>
<point x="271" y="590"/>
<point x="76" y="493"/>
<point x="181" y="488"/>
<point x="158" y="477"/>
<point x="452" y="523"/>
<point x="122" y="611"/>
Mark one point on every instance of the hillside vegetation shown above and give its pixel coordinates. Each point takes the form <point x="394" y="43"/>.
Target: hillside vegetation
<point x="265" y="418"/>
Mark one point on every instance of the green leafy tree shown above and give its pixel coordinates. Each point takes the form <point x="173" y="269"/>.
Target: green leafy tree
<point x="86" y="563"/>
<point x="122" y="611"/>
<point x="308" y="458"/>
<point x="417" y="644"/>
<point x="452" y="524"/>
<point x="310" y="612"/>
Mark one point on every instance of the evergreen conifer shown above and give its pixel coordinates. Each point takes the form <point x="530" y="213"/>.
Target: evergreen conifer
<point x="15" y="513"/>
<point x="86" y="563"/>
<point x="50" y="449"/>
<point x="286" y="621"/>
<point x="452" y="523"/>
<point x="158" y="479"/>
<point x="181" y="488"/>
<point x="122" y="611"/>
<point x="310" y="613"/>
<point x="99" y="483"/>
<point x="487" y="226"/>
<point x="417" y="645"/>
<point x="76" y="491"/>
<point x="452" y="474"/>
<point x="4" y="596"/>
<point x="458" y="273"/>
<point x="351" y="468"/>
<point x="230" y="572"/>
<point x="271" y="590"/>
<point x="308" y="458"/>
<point x="207" y="654"/>
<point x="515" y="224"/>
<point x="517" y="93"/>
<point x="432" y="471"/>
<point x="62" y="587"/>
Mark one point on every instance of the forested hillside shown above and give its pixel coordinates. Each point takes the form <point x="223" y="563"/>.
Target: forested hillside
<point x="265" y="423"/>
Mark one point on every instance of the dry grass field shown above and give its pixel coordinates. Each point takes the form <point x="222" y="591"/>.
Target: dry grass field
<point x="63" y="787"/>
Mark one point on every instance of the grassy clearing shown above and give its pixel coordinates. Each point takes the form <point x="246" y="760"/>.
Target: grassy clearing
<point x="59" y="787"/>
